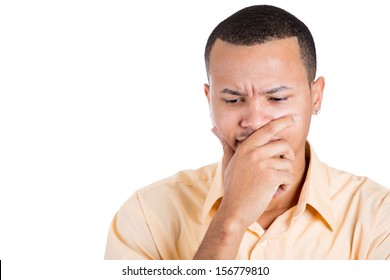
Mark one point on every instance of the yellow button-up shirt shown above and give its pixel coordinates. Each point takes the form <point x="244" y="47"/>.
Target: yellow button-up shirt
<point x="338" y="216"/>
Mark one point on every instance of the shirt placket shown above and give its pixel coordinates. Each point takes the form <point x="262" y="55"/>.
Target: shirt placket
<point x="264" y="237"/>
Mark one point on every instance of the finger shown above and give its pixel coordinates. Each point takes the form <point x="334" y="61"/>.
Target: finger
<point x="280" y="177"/>
<point x="279" y="164"/>
<point x="268" y="132"/>
<point x="282" y="190"/>
<point x="277" y="149"/>
<point x="282" y="183"/>
<point x="228" y="152"/>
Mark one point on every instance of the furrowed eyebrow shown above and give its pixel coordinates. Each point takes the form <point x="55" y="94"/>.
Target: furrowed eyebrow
<point x="233" y="92"/>
<point x="276" y="89"/>
<point x="268" y="91"/>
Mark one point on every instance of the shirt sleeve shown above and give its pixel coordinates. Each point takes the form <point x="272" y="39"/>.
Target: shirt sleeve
<point x="129" y="236"/>
<point x="380" y="246"/>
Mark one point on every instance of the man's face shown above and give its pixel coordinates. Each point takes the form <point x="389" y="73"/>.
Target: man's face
<point x="253" y="85"/>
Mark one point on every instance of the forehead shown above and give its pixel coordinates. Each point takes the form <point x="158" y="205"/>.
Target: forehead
<point x="273" y="57"/>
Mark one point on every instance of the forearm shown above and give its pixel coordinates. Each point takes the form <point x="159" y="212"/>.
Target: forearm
<point x="222" y="239"/>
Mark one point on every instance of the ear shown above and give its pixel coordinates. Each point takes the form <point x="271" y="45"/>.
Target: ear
<point x="207" y="92"/>
<point x="317" y="91"/>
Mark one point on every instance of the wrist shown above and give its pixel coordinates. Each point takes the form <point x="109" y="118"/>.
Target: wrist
<point x="230" y="223"/>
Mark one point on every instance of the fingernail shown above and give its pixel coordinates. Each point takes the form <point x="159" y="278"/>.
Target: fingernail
<point x="296" y="118"/>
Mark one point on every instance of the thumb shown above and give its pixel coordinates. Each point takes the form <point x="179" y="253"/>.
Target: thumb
<point x="228" y="152"/>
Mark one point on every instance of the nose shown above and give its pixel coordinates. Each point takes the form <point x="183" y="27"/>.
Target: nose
<point x="254" y="116"/>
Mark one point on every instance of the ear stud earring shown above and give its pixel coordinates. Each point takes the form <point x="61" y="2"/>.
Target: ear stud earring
<point x="317" y="112"/>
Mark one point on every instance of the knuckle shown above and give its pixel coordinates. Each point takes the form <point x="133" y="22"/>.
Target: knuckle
<point x="253" y="156"/>
<point x="242" y="149"/>
<point x="285" y="145"/>
<point x="289" y="179"/>
<point x="289" y="163"/>
<point x="273" y="176"/>
<point x="263" y="164"/>
<point x="270" y="130"/>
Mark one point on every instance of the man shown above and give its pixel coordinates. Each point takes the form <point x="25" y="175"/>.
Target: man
<point x="270" y="197"/>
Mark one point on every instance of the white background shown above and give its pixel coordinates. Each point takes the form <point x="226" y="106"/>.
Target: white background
<point x="100" y="98"/>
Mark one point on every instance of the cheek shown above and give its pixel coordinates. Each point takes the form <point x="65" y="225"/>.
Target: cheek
<point x="276" y="112"/>
<point x="299" y="105"/>
<point x="225" y="121"/>
<point x="297" y="134"/>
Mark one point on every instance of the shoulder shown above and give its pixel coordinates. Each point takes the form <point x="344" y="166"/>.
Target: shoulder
<point x="362" y="210"/>
<point x="340" y="180"/>
<point x="194" y="179"/>
<point x="356" y="190"/>
<point x="176" y="189"/>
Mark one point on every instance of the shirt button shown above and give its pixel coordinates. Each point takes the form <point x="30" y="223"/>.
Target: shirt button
<point x="263" y="243"/>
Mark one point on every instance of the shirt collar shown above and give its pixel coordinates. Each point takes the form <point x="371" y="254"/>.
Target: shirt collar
<point x="315" y="190"/>
<point x="215" y="192"/>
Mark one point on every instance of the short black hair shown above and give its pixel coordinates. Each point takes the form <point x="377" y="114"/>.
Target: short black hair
<point x="260" y="24"/>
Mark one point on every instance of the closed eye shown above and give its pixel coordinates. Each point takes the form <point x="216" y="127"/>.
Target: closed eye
<point x="233" y="101"/>
<point x="278" y="99"/>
